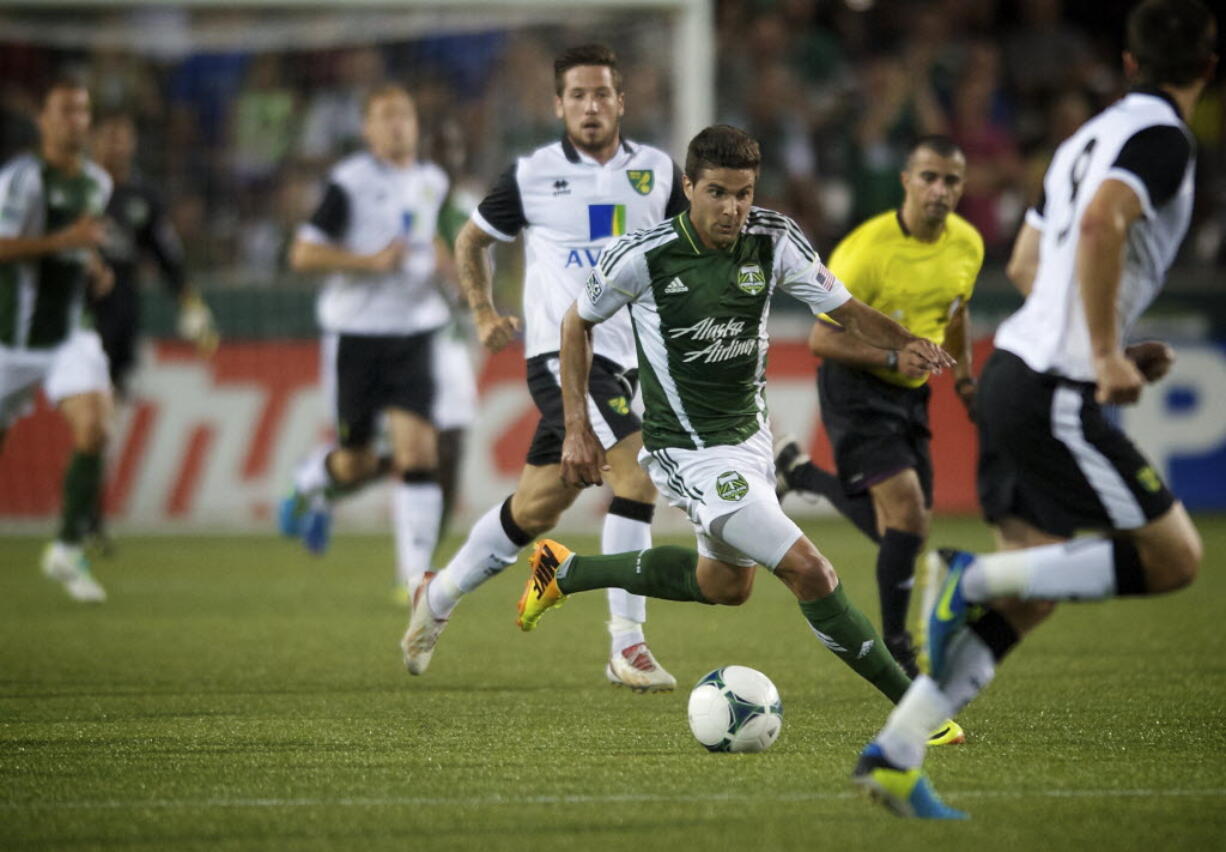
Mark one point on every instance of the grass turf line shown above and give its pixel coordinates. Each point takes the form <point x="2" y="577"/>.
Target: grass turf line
<point x="236" y="693"/>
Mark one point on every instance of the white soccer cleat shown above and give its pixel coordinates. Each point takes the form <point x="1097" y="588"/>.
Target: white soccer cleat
<point x="67" y="564"/>
<point x="636" y="667"/>
<point x="424" y="629"/>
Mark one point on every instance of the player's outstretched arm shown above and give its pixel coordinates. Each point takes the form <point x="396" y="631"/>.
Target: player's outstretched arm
<point x="1101" y="237"/>
<point x="828" y="340"/>
<point x="476" y="283"/>
<point x="583" y="458"/>
<point x="875" y="328"/>
<point x="88" y="232"/>
<point x="308" y="256"/>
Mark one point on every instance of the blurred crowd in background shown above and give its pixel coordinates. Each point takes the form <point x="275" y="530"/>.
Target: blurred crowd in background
<point x="238" y="140"/>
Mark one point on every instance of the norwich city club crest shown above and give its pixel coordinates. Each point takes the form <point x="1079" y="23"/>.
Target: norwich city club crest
<point x="641" y="179"/>
<point x="731" y="486"/>
<point x="749" y="278"/>
<point x="620" y="405"/>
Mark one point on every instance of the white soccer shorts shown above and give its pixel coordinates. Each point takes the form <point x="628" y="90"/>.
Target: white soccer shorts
<point x="76" y="366"/>
<point x="712" y="484"/>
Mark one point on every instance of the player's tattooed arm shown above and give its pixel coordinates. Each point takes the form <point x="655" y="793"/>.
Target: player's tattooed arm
<point x="476" y="283"/>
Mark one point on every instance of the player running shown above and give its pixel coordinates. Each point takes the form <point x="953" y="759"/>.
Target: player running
<point x="375" y="233"/>
<point x="570" y="199"/>
<point x="698" y="290"/>
<point x="918" y="264"/>
<point x="1092" y="255"/>
<point x="51" y="226"/>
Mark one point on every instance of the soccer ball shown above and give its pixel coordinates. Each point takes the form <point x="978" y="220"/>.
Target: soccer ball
<point x="735" y="709"/>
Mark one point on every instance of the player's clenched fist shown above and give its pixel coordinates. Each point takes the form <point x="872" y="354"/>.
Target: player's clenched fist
<point x="494" y="330"/>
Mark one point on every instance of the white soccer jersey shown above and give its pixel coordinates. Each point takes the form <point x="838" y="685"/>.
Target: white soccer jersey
<point x="570" y="207"/>
<point x="1141" y="141"/>
<point x="367" y="204"/>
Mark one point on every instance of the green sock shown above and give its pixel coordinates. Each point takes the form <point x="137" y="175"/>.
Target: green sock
<point x="666" y="572"/>
<point x="844" y="630"/>
<point x="82" y="488"/>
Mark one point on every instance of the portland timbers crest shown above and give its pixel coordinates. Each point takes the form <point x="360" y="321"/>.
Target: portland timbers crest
<point x="641" y="179"/>
<point x="749" y="278"/>
<point x="731" y="486"/>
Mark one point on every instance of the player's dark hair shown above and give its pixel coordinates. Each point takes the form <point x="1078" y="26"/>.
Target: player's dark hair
<point x="60" y="80"/>
<point x="937" y="143"/>
<point x="383" y="90"/>
<point x="1172" y="41"/>
<point x="586" y="54"/>
<point x="721" y="146"/>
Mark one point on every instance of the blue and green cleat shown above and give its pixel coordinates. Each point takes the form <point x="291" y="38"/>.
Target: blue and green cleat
<point x="903" y="792"/>
<point x="949" y="613"/>
<point x="317" y="526"/>
<point x="289" y="515"/>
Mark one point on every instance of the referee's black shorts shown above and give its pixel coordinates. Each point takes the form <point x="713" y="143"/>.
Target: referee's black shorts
<point x="370" y="373"/>
<point x="1049" y="455"/>
<point x="877" y="429"/>
<point x="610" y="390"/>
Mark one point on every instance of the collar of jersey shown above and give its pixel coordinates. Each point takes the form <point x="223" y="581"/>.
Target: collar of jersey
<point x="573" y="155"/>
<point x="686" y="226"/>
<point x="1155" y="92"/>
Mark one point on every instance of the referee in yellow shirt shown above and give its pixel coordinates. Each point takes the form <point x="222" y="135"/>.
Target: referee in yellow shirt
<point x="917" y="265"/>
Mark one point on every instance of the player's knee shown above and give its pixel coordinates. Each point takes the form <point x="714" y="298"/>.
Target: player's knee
<point x="810" y="578"/>
<point x="90" y="435"/>
<point x="1176" y="565"/>
<point x="731" y="593"/>
<point x="351" y="465"/>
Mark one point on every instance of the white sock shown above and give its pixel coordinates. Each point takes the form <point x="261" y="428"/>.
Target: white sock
<point x="625" y="633"/>
<point x="485" y="553"/>
<point x="627" y="612"/>
<point x="416" y="510"/>
<point x="311" y="476"/>
<point x="905" y="735"/>
<point x="1076" y="570"/>
<point x="970" y="668"/>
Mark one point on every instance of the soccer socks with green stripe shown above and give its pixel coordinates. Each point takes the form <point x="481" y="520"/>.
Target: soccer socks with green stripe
<point x="82" y="490"/>
<point x="667" y="572"/>
<point x="848" y="634"/>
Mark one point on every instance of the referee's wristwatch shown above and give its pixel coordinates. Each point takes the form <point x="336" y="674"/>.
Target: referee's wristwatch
<point x="891" y="359"/>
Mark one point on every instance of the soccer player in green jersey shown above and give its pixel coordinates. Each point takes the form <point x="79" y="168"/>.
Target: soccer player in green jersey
<point x="917" y="264"/>
<point x="698" y="288"/>
<point x="51" y="203"/>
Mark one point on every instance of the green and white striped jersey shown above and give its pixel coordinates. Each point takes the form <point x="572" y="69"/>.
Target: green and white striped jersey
<point x="699" y="320"/>
<point x="41" y="298"/>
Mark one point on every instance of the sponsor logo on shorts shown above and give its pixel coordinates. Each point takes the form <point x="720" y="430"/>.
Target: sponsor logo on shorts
<point x="620" y="405"/>
<point x="1148" y="477"/>
<point x="731" y="486"/>
<point x="750" y="279"/>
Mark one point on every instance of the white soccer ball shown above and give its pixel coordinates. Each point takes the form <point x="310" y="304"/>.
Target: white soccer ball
<point x="736" y="708"/>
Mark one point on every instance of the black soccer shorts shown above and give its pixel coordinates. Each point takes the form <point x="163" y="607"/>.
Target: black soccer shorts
<point x="876" y="429"/>
<point x="1049" y="455"/>
<point x="610" y="386"/>
<point x="371" y="373"/>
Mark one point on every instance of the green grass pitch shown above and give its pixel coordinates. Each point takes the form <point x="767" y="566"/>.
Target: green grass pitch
<point x="236" y="693"/>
